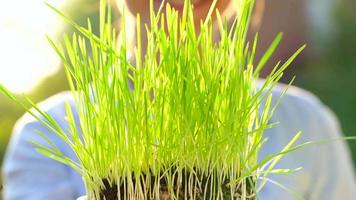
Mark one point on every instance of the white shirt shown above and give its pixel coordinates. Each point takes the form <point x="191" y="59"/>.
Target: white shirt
<point x="327" y="172"/>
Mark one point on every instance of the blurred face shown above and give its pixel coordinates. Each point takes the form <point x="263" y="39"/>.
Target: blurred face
<point x="201" y="7"/>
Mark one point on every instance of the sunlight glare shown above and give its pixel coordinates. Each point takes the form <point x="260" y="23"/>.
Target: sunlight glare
<point x="26" y="58"/>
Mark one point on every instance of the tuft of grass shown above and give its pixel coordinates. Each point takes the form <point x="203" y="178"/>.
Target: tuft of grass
<point x="186" y="119"/>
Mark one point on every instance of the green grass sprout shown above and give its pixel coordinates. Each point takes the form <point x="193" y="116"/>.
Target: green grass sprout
<point x="185" y="120"/>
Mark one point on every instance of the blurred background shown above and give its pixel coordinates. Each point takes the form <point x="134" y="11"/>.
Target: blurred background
<point x="327" y="68"/>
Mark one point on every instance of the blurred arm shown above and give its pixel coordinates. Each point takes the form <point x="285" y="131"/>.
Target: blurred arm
<point x="328" y="172"/>
<point x="335" y="178"/>
<point x="29" y="175"/>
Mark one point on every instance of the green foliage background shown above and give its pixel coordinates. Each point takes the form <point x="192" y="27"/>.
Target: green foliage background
<point x="330" y="75"/>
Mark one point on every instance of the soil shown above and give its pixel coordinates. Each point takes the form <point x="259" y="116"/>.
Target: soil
<point x="110" y="192"/>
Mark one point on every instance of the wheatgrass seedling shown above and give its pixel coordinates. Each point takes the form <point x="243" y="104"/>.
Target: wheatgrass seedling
<point x="186" y="121"/>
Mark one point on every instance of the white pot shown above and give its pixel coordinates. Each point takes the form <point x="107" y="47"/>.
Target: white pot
<point x="82" y="198"/>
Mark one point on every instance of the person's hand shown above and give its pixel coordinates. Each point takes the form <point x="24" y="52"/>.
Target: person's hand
<point x="82" y="198"/>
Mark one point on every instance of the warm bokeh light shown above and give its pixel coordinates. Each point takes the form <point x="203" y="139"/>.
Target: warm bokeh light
<point x="26" y="57"/>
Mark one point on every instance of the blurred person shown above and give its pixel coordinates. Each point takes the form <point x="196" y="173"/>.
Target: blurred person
<point x="327" y="170"/>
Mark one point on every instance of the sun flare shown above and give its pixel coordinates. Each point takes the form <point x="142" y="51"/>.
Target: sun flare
<point x="26" y="56"/>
